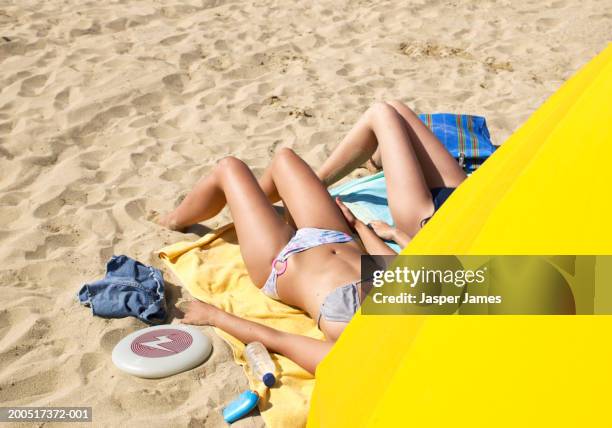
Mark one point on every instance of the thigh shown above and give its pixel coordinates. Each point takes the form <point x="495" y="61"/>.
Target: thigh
<point x="439" y="167"/>
<point x="303" y="194"/>
<point x="409" y="196"/>
<point x="261" y="232"/>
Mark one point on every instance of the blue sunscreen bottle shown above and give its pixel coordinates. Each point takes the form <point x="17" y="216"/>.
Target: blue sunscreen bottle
<point x="241" y="406"/>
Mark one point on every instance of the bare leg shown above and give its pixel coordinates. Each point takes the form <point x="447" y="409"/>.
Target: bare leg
<point x="439" y="167"/>
<point x="304" y="351"/>
<point x="261" y="232"/>
<point x="374" y="164"/>
<point x="357" y="147"/>
<point x="205" y="200"/>
<point x="291" y="179"/>
<point x="361" y="144"/>
<point x="384" y="129"/>
<point x="381" y="131"/>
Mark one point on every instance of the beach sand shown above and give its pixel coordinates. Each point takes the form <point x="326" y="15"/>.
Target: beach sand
<point x="110" y="111"/>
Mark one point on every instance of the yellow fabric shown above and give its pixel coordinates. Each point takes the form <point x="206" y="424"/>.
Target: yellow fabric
<point x="545" y="191"/>
<point x="212" y="270"/>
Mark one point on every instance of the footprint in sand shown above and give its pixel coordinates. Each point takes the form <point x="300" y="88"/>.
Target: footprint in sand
<point x="345" y="70"/>
<point x="94" y="28"/>
<point x="52" y="243"/>
<point x="6" y="127"/>
<point x="558" y="4"/>
<point x="175" y="82"/>
<point x="546" y="24"/>
<point x="118" y="24"/>
<point x="101" y="120"/>
<point x="172" y="40"/>
<point x="123" y="47"/>
<point x="30" y="386"/>
<point x="91" y="361"/>
<point x="219" y="63"/>
<point x="53" y="206"/>
<point x="112" y="337"/>
<point x="139" y="159"/>
<point x="62" y="99"/>
<point x="173" y="175"/>
<point x="187" y="59"/>
<point x="144" y="103"/>
<point x="31" y="86"/>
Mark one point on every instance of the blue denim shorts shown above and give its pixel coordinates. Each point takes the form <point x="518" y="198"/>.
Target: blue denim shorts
<point x="129" y="288"/>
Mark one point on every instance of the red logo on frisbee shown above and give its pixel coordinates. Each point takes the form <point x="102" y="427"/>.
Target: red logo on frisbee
<point x="161" y="343"/>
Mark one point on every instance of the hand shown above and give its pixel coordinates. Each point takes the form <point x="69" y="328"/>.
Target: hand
<point x="348" y="215"/>
<point x="383" y="230"/>
<point x="200" y="313"/>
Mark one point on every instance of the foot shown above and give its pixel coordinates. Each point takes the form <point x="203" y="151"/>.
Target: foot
<point x="372" y="166"/>
<point x="167" y="220"/>
<point x="200" y="313"/>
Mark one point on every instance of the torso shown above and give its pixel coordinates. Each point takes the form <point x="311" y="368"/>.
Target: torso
<point x="312" y="274"/>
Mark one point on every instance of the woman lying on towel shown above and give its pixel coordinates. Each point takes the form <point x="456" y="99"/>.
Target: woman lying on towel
<point x="314" y="262"/>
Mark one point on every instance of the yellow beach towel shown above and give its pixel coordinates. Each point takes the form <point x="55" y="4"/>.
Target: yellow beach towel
<point x="212" y="270"/>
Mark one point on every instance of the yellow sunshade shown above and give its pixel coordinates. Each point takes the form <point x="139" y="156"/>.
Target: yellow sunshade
<point x="547" y="190"/>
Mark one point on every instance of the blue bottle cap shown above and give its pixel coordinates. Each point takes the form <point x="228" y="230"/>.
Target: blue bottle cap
<point x="269" y="380"/>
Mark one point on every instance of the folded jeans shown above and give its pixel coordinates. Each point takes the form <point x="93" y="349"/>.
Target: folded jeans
<point x="129" y="288"/>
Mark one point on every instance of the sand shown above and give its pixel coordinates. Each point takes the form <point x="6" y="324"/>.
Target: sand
<point x="110" y="111"/>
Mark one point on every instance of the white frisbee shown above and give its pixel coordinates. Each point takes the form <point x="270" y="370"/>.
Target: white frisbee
<point x="161" y="351"/>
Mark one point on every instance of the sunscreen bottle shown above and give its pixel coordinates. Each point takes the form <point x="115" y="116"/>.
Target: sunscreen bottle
<point x="241" y="406"/>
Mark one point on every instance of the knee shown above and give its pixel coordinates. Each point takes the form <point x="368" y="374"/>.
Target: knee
<point x="411" y="222"/>
<point x="283" y="156"/>
<point x="229" y="164"/>
<point x="381" y="110"/>
<point x="401" y="107"/>
<point x="397" y="103"/>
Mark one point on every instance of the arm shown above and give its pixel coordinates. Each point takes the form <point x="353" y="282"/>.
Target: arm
<point x="401" y="238"/>
<point x="371" y="241"/>
<point x="372" y="237"/>
<point x="388" y="232"/>
<point x="304" y="351"/>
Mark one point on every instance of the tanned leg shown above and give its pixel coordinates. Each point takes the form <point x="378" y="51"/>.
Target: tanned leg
<point x="383" y="128"/>
<point x="390" y="135"/>
<point x="260" y="230"/>
<point x="361" y="145"/>
<point x="357" y="147"/>
<point x="291" y="179"/>
<point x="439" y="167"/>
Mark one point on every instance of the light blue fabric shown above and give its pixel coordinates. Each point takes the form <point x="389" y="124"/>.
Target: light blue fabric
<point x="367" y="199"/>
<point x="129" y="288"/>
